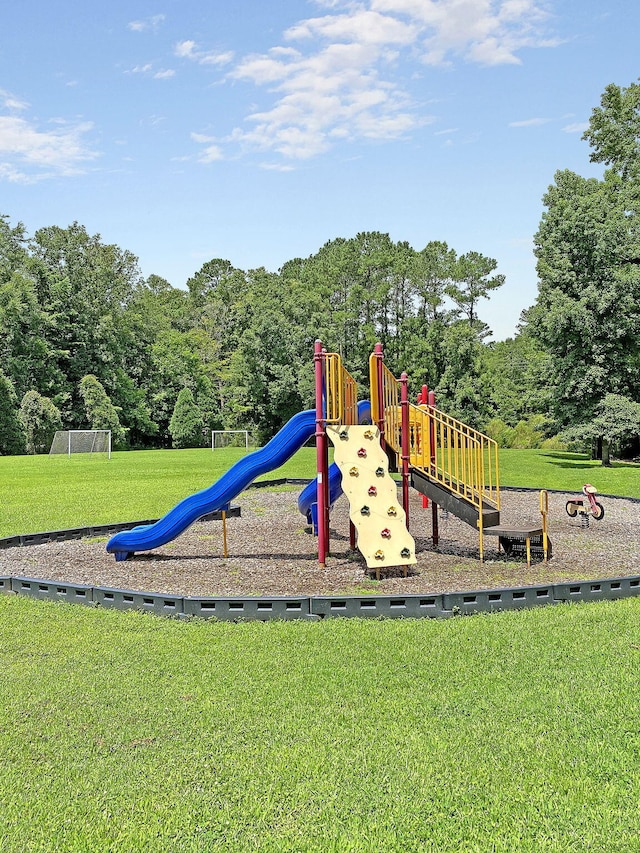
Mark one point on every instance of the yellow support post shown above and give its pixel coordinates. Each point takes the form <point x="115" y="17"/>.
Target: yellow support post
<point x="544" y="512"/>
<point x="224" y="534"/>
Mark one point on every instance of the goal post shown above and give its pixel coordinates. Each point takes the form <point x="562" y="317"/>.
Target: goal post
<point x="229" y="438"/>
<point x="70" y="441"/>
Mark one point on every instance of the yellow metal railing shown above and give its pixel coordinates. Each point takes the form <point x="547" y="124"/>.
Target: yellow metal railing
<point x="454" y="455"/>
<point x="341" y="392"/>
<point x="448" y="451"/>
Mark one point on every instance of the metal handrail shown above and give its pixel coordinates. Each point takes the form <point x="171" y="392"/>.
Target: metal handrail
<point x="455" y="455"/>
<point x="341" y="392"/>
<point x="448" y="451"/>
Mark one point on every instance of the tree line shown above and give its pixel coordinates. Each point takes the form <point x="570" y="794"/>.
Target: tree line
<point x="87" y="342"/>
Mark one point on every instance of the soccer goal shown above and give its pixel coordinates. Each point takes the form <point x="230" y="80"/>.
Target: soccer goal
<point x="229" y="438"/>
<point x="82" y="441"/>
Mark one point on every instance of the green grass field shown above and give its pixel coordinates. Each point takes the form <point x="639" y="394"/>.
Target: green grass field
<point x="124" y="732"/>
<point x="40" y="493"/>
<point x="512" y="732"/>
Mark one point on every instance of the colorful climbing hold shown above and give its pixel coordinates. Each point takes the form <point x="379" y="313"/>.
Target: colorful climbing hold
<point x="386" y="533"/>
<point x="372" y="492"/>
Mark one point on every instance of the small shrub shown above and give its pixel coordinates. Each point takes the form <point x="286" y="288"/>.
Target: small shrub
<point x="499" y="431"/>
<point x="40" y="419"/>
<point x="101" y="413"/>
<point x="554" y="443"/>
<point x="186" y="425"/>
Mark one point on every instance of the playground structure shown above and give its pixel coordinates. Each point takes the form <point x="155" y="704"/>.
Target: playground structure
<point x="448" y="462"/>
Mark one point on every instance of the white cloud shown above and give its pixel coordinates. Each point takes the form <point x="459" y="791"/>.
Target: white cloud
<point x="576" y="127"/>
<point x="362" y="25"/>
<point x="488" y="32"/>
<point x="189" y="49"/>
<point x="28" y="154"/>
<point x="152" y="23"/>
<point x="337" y="75"/>
<point x="149" y="71"/>
<point x="212" y="151"/>
<point x="277" y="167"/>
<point x="529" y="122"/>
<point x="11" y="102"/>
<point x="211" y="154"/>
<point x="185" y="49"/>
<point x="333" y="92"/>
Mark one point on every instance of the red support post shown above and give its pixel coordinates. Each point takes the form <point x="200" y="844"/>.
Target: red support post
<point x="321" y="457"/>
<point x="404" y="405"/>
<point x="435" y="532"/>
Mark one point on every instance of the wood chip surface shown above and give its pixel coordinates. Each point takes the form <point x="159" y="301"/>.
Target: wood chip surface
<point x="272" y="553"/>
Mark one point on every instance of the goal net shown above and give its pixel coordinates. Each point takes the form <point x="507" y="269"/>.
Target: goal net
<point x="229" y="438"/>
<point x="82" y="441"/>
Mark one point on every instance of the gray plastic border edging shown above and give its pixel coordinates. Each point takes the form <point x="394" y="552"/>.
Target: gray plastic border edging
<point x="241" y="608"/>
<point x="245" y="608"/>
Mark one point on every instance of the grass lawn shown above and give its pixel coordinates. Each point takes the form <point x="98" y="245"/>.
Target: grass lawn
<point x="40" y="493"/>
<point x="567" y="472"/>
<point x="513" y="732"/>
<point x="122" y="732"/>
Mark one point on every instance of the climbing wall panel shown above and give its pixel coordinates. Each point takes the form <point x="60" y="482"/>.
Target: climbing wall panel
<point x="383" y="538"/>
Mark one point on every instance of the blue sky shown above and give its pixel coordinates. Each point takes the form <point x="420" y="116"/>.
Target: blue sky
<point x="257" y="131"/>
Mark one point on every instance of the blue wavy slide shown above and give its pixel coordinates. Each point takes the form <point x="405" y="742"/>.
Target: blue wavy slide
<point x="308" y="497"/>
<point x="275" y="453"/>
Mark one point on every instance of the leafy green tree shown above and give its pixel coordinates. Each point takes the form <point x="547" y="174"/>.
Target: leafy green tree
<point x="135" y="414"/>
<point x="460" y="391"/>
<point x="12" y="437"/>
<point x="614" y="131"/>
<point x="514" y="375"/>
<point x="100" y="411"/>
<point x="40" y="419"/>
<point x="13" y="248"/>
<point x="499" y="431"/>
<point x="84" y="286"/>
<point x="472" y="280"/>
<point x="25" y="353"/>
<point x="616" y="421"/>
<point x="433" y="271"/>
<point x="587" y="314"/>
<point x="186" y="426"/>
<point x="529" y="434"/>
